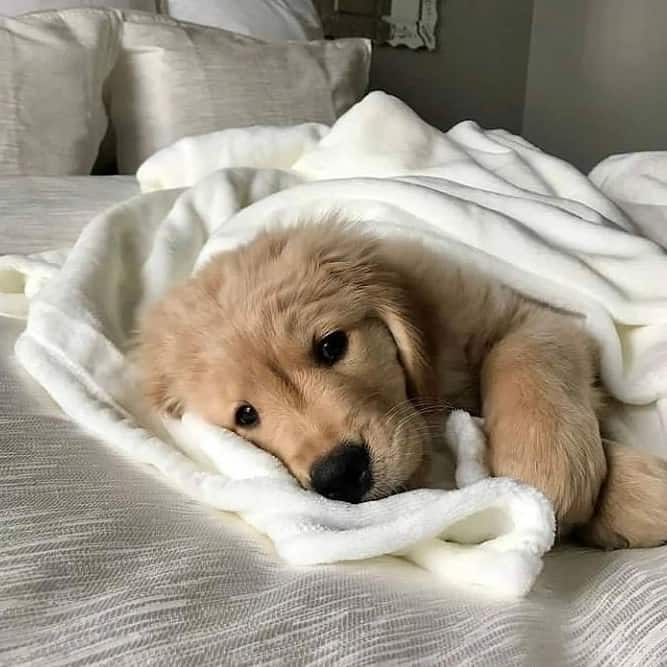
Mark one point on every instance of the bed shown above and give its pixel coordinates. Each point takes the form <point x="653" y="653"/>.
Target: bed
<point x="102" y="563"/>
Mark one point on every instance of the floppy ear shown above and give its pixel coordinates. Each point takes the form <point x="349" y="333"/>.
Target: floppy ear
<point x="167" y="341"/>
<point x="358" y="260"/>
<point x="155" y="359"/>
<point x="409" y="339"/>
<point x="158" y="390"/>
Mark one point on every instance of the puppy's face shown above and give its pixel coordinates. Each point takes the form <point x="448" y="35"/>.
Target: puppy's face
<point x="302" y="343"/>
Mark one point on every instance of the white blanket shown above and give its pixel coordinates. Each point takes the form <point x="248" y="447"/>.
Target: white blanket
<point x="483" y="197"/>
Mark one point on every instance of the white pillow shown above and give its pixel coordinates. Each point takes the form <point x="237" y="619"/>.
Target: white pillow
<point x="53" y="66"/>
<point x="16" y="7"/>
<point x="272" y="20"/>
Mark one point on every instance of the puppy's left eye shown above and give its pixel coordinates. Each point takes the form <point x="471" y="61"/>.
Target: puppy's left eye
<point x="246" y="416"/>
<point x="331" y="348"/>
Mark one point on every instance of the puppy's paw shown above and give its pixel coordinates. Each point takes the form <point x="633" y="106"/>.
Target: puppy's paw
<point x="632" y="507"/>
<point x="563" y="459"/>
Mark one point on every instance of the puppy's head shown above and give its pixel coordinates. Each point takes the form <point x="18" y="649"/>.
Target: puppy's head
<point x="303" y="342"/>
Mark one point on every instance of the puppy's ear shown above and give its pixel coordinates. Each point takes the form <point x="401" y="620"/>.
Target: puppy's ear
<point x="360" y="260"/>
<point x="155" y="361"/>
<point x="164" y="347"/>
<point x="159" y="390"/>
<point x="409" y="339"/>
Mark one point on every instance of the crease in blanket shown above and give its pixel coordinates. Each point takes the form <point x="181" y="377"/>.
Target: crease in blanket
<point x="482" y="197"/>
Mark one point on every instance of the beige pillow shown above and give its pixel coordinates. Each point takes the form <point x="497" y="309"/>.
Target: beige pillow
<point x="52" y="69"/>
<point x="179" y="79"/>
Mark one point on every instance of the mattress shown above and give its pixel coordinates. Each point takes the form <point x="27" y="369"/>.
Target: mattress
<point x="102" y="563"/>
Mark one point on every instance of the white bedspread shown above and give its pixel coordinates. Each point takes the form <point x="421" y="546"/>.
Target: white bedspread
<point x="485" y="197"/>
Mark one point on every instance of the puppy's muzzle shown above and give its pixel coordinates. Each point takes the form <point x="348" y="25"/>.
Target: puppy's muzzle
<point x="344" y="474"/>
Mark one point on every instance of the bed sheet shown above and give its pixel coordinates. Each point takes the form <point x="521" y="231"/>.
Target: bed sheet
<point x="102" y="563"/>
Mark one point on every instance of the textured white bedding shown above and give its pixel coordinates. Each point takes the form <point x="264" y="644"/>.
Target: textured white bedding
<point x="100" y="562"/>
<point x="37" y="213"/>
<point x="638" y="183"/>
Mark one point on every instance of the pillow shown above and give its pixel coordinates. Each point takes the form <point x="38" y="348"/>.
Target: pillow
<point x="272" y="20"/>
<point x="16" y="7"/>
<point x="174" y="80"/>
<point x="52" y="69"/>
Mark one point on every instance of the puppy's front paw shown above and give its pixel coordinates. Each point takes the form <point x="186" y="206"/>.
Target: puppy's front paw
<point x="563" y="459"/>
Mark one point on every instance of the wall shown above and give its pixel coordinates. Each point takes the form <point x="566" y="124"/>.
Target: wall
<point x="597" y="78"/>
<point x="478" y="71"/>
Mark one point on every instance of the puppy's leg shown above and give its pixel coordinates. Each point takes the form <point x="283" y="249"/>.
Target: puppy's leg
<point x="539" y="403"/>
<point x="632" y="508"/>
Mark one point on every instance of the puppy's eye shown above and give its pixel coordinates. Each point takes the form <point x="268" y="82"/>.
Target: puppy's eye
<point x="246" y="416"/>
<point x="331" y="348"/>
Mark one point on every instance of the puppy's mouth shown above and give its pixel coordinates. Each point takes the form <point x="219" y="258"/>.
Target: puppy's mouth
<point x="411" y="471"/>
<point x="391" y="487"/>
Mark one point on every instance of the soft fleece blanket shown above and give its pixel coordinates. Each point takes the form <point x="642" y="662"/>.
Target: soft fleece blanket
<point x="486" y="198"/>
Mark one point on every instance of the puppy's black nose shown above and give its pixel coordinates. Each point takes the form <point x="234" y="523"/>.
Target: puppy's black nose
<point x="344" y="474"/>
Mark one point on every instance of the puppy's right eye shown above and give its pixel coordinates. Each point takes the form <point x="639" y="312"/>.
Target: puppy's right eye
<point x="246" y="416"/>
<point x="331" y="348"/>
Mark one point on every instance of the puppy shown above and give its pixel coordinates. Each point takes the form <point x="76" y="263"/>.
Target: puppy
<point x="341" y="354"/>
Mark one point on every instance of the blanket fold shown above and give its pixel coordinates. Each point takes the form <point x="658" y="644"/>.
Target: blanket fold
<point x="484" y="198"/>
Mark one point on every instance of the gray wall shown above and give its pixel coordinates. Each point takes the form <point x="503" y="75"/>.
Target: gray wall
<point x="597" y="78"/>
<point x="582" y="79"/>
<point x="477" y="72"/>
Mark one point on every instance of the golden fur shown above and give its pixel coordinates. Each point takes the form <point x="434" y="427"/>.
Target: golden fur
<point x="424" y="336"/>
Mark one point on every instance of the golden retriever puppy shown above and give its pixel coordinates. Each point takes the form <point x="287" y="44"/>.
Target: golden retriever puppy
<point x="341" y="354"/>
